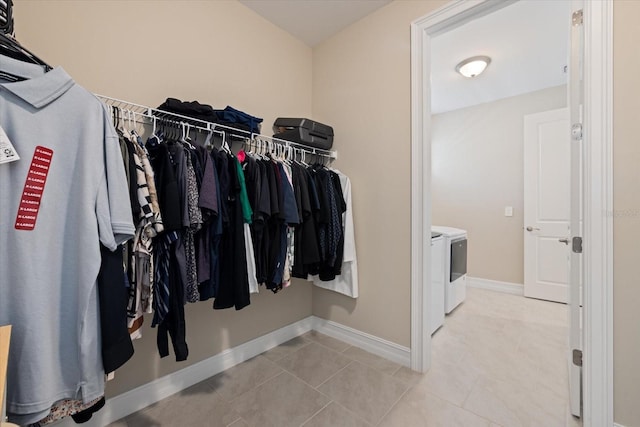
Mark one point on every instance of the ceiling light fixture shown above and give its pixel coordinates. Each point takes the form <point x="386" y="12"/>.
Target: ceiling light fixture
<point x="474" y="66"/>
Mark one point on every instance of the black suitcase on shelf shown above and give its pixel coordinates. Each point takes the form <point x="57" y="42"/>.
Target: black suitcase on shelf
<point x="304" y="131"/>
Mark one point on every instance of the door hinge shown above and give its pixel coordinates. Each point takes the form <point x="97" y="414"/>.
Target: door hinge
<point x="577" y="245"/>
<point x="577" y="357"/>
<point x="576" y="18"/>
<point x="576" y="131"/>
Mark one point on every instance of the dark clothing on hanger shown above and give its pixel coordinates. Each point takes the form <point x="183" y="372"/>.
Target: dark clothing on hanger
<point x="289" y="215"/>
<point x="333" y="265"/>
<point x="162" y="261"/>
<point x="290" y="209"/>
<point x="328" y="205"/>
<point x="170" y="258"/>
<point x="174" y="323"/>
<point x="208" y="203"/>
<point x="258" y="193"/>
<point x="209" y="287"/>
<point x="207" y="200"/>
<point x="117" y="348"/>
<point x="233" y="288"/>
<point x="179" y="162"/>
<point x="306" y="243"/>
<point x="130" y="167"/>
<point x="274" y="226"/>
<point x="166" y="185"/>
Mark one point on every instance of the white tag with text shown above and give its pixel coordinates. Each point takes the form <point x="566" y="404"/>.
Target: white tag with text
<point x="7" y="152"/>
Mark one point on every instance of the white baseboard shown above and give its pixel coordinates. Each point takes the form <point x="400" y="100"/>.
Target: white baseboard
<point x="617" y="425"/>
<point x="496" y="285"/>
<point x="139" y="398"/>
<point x="378" y="346"/>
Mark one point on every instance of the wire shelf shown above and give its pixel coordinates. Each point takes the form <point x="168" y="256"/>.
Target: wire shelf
<point x="154" y="114"/>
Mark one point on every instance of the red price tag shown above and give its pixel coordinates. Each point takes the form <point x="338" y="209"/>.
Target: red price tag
<point x="33" y="189"/>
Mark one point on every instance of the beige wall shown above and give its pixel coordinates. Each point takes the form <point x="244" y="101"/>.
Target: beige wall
<point x="361" y="87"/>
<point x="217" y="52"/>
<point x="626" y="219"/>
<point x="477" y="170"/>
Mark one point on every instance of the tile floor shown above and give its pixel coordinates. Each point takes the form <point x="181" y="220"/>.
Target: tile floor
<point x="498" y="361"/>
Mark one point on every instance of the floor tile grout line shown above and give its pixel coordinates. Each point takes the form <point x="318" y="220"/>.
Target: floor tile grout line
<point x="285" y="371"/>
<point x="321" y="345"/>
<point x="310" y="385"/>
<point x="316" y="413"/>
<point x="324" y="345"/>
<point x="464" y="409"/>
<point x="307" y="383"/>
<point x="332" y="349"/>
<point x="307" y="342"/>
<point x="282" y="371"/>
<point x="345" y="350"/>
<point x="336" y="373"/>
<point x="332" y="376"/>
<point x="369" y="365"/>
<point x="352" y="413"/>
<point x="394" y="405"/>
<point x="236" y="420"/>
<point x="469" y="392"/>
<point x="396" y="371"/>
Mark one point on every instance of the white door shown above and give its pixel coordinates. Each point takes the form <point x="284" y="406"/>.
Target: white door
<point x="547" y="184"/>
<point x="576" y="207"/>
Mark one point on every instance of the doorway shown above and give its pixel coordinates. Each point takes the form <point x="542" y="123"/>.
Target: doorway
<point x="597" y="190"/>
<point x="477" y="131"/>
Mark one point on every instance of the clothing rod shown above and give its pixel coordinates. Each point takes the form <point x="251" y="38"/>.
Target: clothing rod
<point x="143" y="114"/>
<point x="210" y="126"/>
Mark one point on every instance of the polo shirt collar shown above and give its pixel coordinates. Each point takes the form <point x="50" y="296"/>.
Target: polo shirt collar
<point x="40" y="88"/>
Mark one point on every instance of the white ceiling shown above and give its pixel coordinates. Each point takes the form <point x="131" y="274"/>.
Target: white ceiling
<point x="527" y="42"/>
<point x="528" y="46"/>
<point x="313" y="21"/>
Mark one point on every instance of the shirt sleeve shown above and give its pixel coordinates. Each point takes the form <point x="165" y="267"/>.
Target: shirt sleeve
<point x="113" y="207"/>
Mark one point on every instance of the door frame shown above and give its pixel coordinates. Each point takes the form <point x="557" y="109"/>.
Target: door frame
<point x="598" y="192"/>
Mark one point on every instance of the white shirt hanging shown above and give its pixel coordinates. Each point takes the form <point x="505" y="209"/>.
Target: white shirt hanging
<point x="347" y="282"/>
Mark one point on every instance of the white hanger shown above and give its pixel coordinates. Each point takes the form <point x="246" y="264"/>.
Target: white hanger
<point x="186" y="128"/>
<point x="121" y="119"/>
<point x="129" y="120"/>
<point x="155" y="123"/>
<point x="225" y="145"/>
<point x="251" y="144"/>
<point x="133" y="123"/>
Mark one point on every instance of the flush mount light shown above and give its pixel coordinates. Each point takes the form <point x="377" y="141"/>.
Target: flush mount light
<point x="474" y="66"/>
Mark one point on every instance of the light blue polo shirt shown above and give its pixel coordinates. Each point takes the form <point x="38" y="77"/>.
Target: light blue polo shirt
<point x="66" y="194"/>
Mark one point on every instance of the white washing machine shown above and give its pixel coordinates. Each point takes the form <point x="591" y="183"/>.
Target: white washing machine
<point x="437" y="281"/>
<point x="455" y="266"/>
